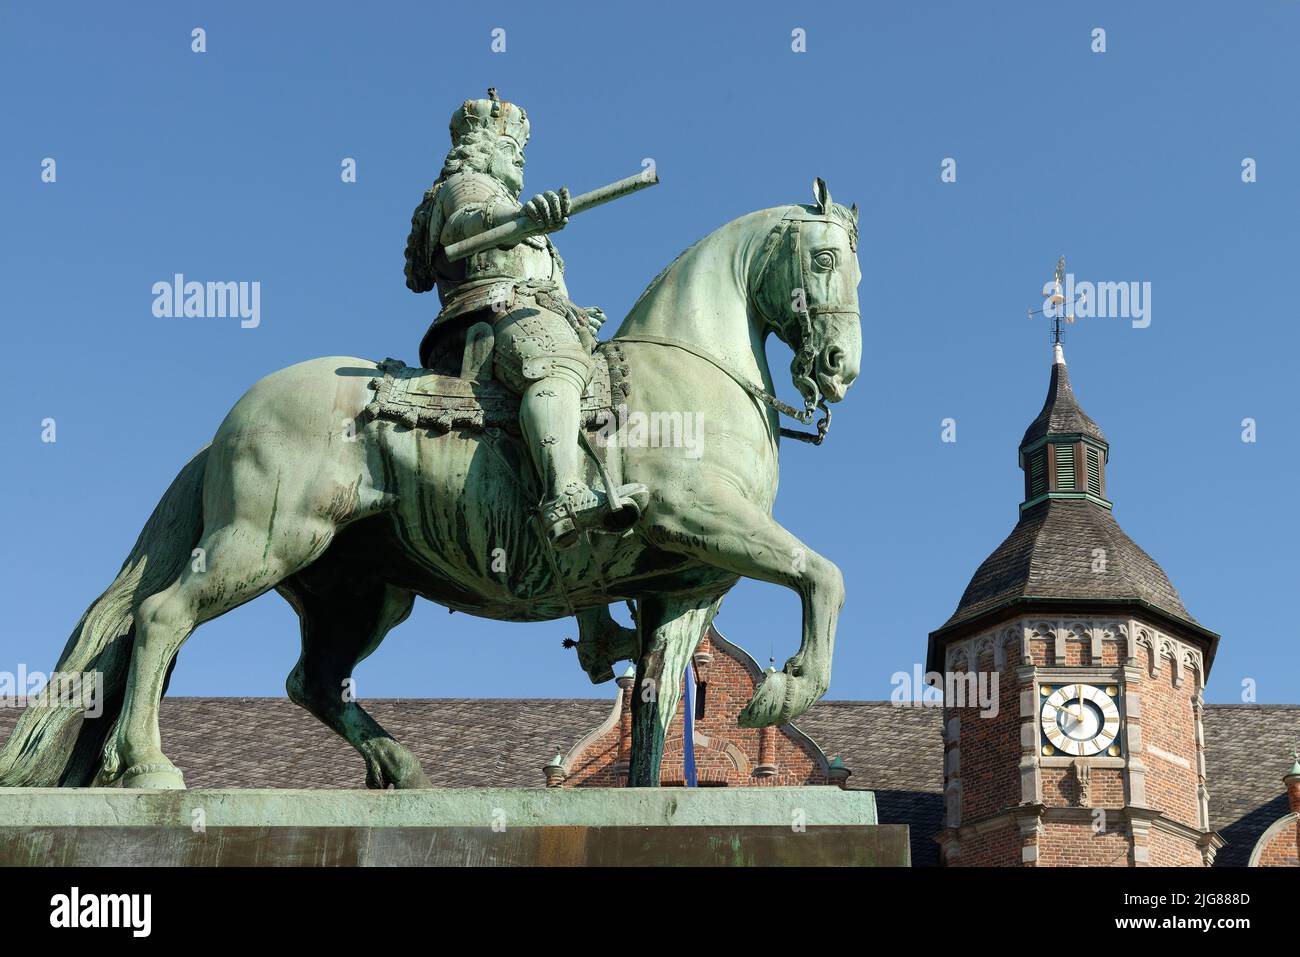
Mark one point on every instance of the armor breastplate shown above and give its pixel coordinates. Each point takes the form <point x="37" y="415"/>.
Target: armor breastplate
<point x="491" y="276"/>
<point x="531" y="259"/>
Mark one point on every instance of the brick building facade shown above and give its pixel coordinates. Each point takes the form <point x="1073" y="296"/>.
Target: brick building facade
<point x="726" y="755"/>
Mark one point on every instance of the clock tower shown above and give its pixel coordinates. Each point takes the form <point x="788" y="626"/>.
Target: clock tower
<point x="1086" y="747"/>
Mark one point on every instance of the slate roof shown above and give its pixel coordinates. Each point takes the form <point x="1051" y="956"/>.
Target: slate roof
<point x="896" y="752"/>
<point x="1247" y="752"/>
<point x="1061" y="413"/>
<point x="1049" y="554"/>
<point x="486" y="742"/>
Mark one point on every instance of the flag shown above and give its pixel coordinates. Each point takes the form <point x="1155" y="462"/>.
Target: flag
<point x="688" y="732"/>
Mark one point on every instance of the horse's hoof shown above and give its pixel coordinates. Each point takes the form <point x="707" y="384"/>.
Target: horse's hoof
<point x="408" y="778"/>
<point x="779" y="698"/>
<point x="161" y="777"/>
<point x="389" y="765"/>
<point x="417" y="781"/>
<point x="767" y="706"/>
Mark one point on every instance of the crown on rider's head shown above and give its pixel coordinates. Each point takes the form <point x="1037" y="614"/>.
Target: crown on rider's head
<point x="495" y="114"/>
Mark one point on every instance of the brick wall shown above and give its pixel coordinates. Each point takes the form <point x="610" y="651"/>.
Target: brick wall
<point x="1105" y="788"/>
<point x="1168" y="724"/>
<point x="999" y="847"/>
<point x="1170" y="850"/>
<point x="989" y="748"/>
<point x="1282" y="848"/>
<point x="1078" y="845"/>
<point x="725" y="754"/>
<point x="987" y="759"/>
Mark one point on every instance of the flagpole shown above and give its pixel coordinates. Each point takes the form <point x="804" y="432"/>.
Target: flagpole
<point x="688" y="729"/>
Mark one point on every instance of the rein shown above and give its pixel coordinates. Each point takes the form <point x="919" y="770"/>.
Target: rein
<point x="756" y="391"/>
<point x="802" y="368"/>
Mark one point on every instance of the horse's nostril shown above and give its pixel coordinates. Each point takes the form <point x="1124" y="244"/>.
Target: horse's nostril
<point x="834" y="359"/>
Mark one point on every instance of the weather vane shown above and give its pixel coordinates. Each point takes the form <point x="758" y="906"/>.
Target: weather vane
<point x="1053" y="304"/>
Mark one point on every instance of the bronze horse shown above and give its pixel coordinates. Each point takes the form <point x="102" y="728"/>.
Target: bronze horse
<point x="350" y="518"/>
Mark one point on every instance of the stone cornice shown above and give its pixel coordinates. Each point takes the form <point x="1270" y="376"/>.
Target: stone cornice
<point x="1036" y="608"/>
<point x="1029" y="818"/>
<point x="1009" y="644"/>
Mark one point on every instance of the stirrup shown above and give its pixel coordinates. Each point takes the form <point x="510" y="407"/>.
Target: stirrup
<point x="582" y="508"/>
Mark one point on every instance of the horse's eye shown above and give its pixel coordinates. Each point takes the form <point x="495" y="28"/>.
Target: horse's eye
<point x="825" y="259"/>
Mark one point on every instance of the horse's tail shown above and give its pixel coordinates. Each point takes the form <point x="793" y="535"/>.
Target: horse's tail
<point x="52" y="745"/>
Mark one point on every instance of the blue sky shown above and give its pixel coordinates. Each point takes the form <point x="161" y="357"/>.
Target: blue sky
<point x="225" y="165"/>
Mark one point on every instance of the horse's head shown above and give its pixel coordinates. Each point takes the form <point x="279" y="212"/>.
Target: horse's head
<point x="805" y="287"/>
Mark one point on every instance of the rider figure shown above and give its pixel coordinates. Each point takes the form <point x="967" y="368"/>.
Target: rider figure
<point x="543" y="342"/>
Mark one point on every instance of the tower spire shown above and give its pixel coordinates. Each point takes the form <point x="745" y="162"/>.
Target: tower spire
<point x="1063" y="452"/>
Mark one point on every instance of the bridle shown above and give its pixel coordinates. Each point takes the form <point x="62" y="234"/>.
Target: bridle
<point x="757" y="391"/>
<point x="802" y="366"/>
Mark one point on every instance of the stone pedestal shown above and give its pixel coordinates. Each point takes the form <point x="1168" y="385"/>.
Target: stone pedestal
<point x="447" y="826"/>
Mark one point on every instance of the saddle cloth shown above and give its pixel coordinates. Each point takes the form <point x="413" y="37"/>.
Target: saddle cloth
<point x="420" y="398"/>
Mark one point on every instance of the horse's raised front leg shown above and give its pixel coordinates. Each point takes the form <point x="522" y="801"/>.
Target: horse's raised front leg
<point x="602" y="641"/>
<point x="670" y="630"/>
<point x="732" y="534"/>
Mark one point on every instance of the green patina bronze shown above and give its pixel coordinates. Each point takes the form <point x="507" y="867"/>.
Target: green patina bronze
<point x="514" y="477"/>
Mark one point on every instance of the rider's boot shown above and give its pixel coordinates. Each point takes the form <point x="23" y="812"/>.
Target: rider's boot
<point x="550" y="416"/>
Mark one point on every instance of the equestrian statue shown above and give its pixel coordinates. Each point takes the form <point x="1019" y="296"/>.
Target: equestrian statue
<point x="510" y="475"/>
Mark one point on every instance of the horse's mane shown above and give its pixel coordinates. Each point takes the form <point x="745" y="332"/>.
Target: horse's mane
<point x="654" y="283"/>
<point x="842" y="214"/>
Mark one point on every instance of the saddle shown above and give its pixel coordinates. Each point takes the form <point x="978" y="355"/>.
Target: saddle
<point x="421" y="398"/>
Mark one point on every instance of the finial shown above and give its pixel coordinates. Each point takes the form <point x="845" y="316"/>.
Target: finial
<point x="1053" y="306"/>
<point x="496" y="102"/>
<point x="628" y="678"/>
<point x="1057" y="298"/>
<point x="836" y="771"/>
<point x="554" y="771"/>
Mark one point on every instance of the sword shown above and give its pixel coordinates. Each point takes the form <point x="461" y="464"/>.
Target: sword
<point x="521" y="227"/>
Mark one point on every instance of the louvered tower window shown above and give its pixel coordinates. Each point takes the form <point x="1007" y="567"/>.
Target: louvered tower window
<point x="1065" y="468"/>
<point x="1037" y="477"/>
<point x="1094" y="472"/>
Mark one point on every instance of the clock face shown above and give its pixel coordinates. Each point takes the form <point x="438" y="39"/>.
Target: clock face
<point x="1080" y="720"/>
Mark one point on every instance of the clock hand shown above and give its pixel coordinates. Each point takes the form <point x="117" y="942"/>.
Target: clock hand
<point x="1063" y="709"/>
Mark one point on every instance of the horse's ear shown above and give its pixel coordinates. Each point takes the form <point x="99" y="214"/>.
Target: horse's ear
<point x="821" y="194"/>
<point x="853" y="210"/>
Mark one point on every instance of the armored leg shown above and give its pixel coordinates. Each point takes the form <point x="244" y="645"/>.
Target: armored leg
<point x="539" y="354"/>
<point x="550" y="415"/>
